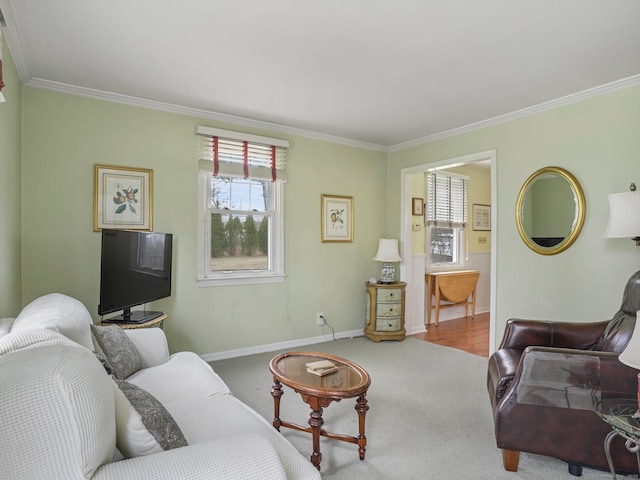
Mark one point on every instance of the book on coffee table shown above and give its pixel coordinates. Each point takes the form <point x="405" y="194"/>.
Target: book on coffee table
<point x="321" y="367"/>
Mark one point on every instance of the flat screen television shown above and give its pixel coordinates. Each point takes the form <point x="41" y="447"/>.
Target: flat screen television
<point x="135" y="268"/>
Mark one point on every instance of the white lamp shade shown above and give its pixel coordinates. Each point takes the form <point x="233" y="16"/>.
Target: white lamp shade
<point x="387" y="251"/>
<point x="624" y="215"/>
<point x="631" y="354"/>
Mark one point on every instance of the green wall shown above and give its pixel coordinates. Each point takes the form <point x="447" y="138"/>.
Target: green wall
<point x="65" y="135"/>
<point x="50" y="141"/>
<point x="597" y="140"/>
<point x="10" y="190"/>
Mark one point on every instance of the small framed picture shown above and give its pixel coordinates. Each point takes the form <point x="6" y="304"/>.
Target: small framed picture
<point x="122" y="198"/>
<point x="336" y="218"/>
<point x="481" y="217"/>
<point x="417" y="206"/>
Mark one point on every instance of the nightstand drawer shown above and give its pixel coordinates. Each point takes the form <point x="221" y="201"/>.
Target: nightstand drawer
<point x="389" y="295"/>
<point x="389" y="309"/>
<point x="388" y="324"/>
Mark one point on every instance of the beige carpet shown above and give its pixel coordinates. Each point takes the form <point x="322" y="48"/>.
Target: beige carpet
<point x="429" y="415"/>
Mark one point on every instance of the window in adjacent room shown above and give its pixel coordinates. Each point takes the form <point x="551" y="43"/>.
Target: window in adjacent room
<point x="241" y="208"/>
<point x="446" y="219"/>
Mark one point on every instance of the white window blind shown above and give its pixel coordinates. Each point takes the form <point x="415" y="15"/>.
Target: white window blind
<point x="446" y="200"/>
<point x="235" y="154"/>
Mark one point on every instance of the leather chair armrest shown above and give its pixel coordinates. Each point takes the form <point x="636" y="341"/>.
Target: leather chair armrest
<point x="520" y="333"/>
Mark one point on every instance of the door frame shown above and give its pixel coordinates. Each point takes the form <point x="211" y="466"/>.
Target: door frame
<point x="415" y="290"/>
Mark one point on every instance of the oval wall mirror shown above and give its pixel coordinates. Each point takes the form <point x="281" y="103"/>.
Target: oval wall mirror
<point x="550" y="210"/>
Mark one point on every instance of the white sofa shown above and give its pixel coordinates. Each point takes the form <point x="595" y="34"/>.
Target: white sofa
<point x="63" y="417"/>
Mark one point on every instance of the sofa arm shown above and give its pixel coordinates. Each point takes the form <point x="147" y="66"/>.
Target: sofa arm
<point x="240" y="457"/>
<point x="151" y="344"/>
<point x="519" y="334"/>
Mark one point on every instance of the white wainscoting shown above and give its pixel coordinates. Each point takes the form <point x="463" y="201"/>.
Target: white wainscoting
<point x="416" y="309"/>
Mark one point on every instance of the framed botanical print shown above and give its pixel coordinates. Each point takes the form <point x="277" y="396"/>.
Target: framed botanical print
<point x="122" y="198"/>
<point x="336" y="218"/>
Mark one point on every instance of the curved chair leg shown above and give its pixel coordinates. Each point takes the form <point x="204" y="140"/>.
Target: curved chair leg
<point x="575" y="469"/>
<point x="510" y="460"/>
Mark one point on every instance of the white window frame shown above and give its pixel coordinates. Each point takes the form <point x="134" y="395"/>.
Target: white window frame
<point x="460" y="235"/>
<point x="460" y="246"/>
<point x="275" y="272"/>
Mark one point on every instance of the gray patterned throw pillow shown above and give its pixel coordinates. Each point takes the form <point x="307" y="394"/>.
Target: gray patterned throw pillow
<point x="118" y="349"/>
<point x="154" y="417"/>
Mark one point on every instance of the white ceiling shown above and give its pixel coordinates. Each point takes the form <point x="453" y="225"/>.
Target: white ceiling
<point x="380" y="73"/>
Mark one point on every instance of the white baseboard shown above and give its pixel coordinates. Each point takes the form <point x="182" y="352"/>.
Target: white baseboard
<point x="272" y="347"/>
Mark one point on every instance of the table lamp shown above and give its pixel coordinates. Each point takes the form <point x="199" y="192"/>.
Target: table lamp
<point x="624" y="215"/>
<point x="387" y="253"/>
<point x="630" y="356"/>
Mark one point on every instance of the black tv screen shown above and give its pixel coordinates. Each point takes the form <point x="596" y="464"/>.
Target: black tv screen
<point x="135" y="268"/>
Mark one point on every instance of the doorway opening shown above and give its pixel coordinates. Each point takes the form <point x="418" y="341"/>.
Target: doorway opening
<point x="412" y="266"/>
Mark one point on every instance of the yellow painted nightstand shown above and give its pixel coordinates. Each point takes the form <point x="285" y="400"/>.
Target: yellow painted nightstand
<point x="384" y="311"/>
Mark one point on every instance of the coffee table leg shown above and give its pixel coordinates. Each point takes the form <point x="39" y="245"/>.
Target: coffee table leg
<point x="361" y="408"/>
<point x="316" y="422"/>
<point x="276" y="393"/>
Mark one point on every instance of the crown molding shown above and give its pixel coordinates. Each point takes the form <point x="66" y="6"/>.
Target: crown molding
<point x="525" y="112"/>
<point x="12" y="37"/>
<point x="13" y="41"/>
<point x="195" y="112"/>
<point x="231" y="119"/>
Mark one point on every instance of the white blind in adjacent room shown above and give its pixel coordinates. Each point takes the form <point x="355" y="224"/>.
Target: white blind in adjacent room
<point x="236" y="154"/>
<point x="446" y="200"/>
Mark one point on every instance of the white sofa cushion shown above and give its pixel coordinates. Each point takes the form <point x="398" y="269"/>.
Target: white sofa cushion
<point x="143" y="425"/>
<point x="240" y="457"/>
<point x="59" y="313"/>
<point x="183" y="375"/>
<point x="151" y="344"/>
<point x="218" y="417"/>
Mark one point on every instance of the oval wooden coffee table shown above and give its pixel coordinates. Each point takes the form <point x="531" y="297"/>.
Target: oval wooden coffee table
<point x="348" y="381"/>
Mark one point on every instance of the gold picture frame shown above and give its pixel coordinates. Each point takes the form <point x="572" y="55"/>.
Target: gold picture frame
<point x="122" y="198"/>
<point x="336" y="219"/>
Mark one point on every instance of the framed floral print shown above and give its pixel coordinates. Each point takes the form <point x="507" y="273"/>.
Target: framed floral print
<point x="122" y="198"/>
<point x="336" y="218"/>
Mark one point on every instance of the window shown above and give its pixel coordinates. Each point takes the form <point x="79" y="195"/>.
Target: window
<point x="446" y="218"/>
<point x="241" y="208"/>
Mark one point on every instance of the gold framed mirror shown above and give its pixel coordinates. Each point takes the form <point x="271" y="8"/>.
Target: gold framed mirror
<point x="550" y="210"/>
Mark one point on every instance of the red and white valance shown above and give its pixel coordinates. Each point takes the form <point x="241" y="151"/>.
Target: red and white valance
<point x="236" y="154"/>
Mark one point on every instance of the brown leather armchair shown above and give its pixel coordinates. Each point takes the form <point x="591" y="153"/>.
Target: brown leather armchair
<point x="546" y="380"/>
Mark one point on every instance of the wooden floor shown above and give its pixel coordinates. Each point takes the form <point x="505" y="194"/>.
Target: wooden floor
<point x="466" y="333"/>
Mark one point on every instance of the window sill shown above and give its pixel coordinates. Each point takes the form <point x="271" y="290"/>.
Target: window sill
<point x="240" y="280"/>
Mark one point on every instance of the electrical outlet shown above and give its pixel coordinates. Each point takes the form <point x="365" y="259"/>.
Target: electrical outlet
<point x="320" y="318"/>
